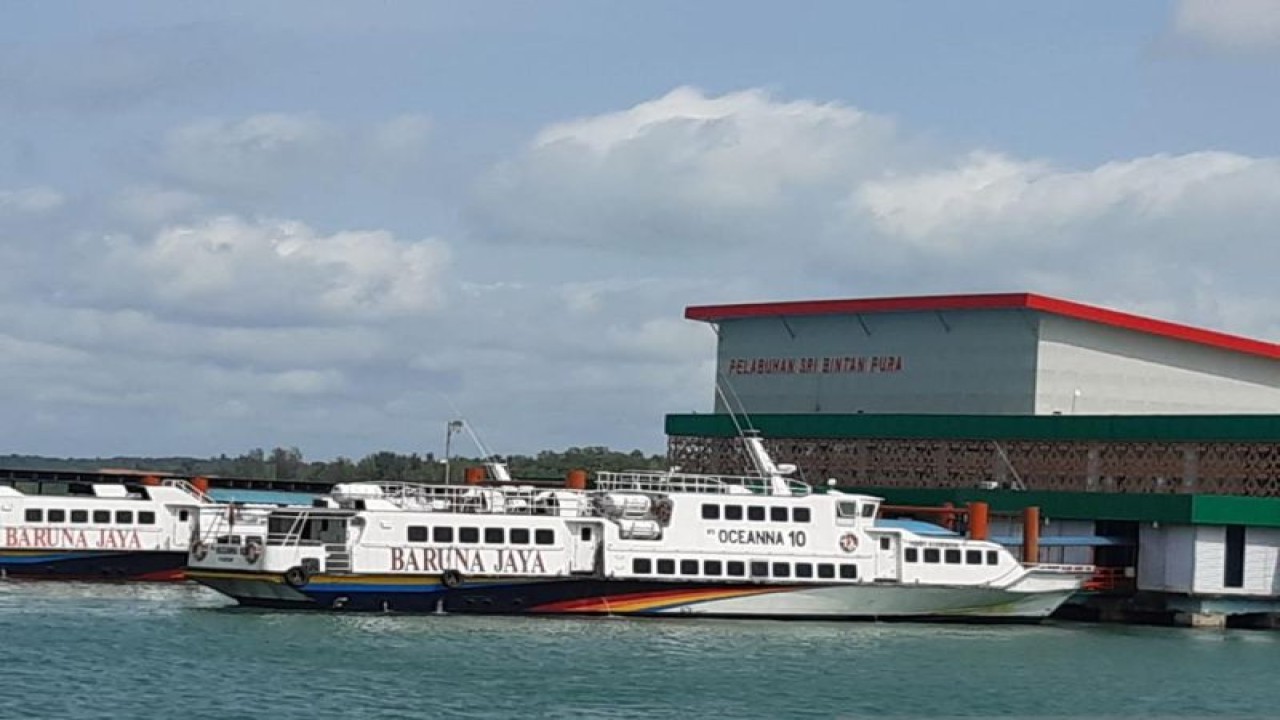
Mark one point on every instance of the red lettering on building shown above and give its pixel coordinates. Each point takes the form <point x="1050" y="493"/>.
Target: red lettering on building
<point x="838" y="364"/>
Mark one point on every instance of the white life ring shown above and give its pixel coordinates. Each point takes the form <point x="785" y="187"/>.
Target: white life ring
<point x="200" y="550"/>
<point x="848" y="542"/>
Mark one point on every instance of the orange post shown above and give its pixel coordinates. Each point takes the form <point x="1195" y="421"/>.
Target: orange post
<point x="979" y="520"/>
<point x="150" y="480"/>
<point x="1031" y="535"/>
<point x="474" y="475"/>
<point x="948" y="517"/>
<point x="576" y="480"/>
<point x="200" y="483"/>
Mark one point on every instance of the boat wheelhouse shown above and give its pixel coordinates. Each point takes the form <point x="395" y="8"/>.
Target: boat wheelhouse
<point x="639" y="543"/>
<point x="115" y="532"/>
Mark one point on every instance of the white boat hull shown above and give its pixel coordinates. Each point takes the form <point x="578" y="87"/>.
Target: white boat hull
<point x="1034" y="597"/>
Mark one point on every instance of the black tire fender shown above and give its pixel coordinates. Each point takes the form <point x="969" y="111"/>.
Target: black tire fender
<point x="297" y="577"/>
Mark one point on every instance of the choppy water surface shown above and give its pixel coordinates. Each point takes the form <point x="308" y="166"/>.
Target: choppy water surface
<point x="137" y="651"/>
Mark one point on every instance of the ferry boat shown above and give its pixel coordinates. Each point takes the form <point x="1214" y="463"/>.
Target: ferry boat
<point x="639" y="543"/>
<point x="117" y="532"/>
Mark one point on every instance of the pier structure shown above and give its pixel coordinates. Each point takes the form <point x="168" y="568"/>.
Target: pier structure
<point x="1151" y="449"/>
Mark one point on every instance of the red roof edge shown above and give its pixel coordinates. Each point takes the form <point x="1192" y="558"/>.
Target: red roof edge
<point x="990" y="301"/>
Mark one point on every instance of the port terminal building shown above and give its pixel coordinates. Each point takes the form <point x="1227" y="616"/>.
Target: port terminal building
<point x="1152" y="448"/>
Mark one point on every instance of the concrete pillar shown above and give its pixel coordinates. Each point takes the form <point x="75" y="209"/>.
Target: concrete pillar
<point x="1200" y="620"/>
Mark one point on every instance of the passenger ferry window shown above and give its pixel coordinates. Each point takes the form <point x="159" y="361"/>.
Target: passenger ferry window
<point x="667" y="567"/>
<point x="493" y="536"/>
<point x="868" y="510"/>
<point x="993" y="557"/>
<point x="735" y="568"/>
<point x="57" y="516"/>
<point x="469" y="535"/>
<point x="912" y="555"/>
<point x="183" y="515"/>
<point x="759" y="569"/>
<point x="847" y="509"/>
<point x="124" y="517"/>
<point x="712" y="568"/>
<point x="800" y="514"/>
<point x="782" y="570"/>
<point x="688" y="567"/>
<point x="710" y="512"/>
<point x="585" y="534"/>
<point x="972" y="557"/>
<point x="641" y="566"/>
<point x="519" y="536"/>
<point x="146" y="517"/>
<point x="826" y="571"/>
<point x="778" y="514"/>
<point x="35" y="515"/>
<point x="79" y="516"/>
<point x="884" y="543"/>
<point x="931" y="555"/>
<point x="101" y="516"/>
<point x="732" y="512"/>
<point x="442" y="534"/>
<point x="417" y="533"/>
<point x="544" y="536"/>
<point x="848" y="572"/>
<point x="756" y="513"/>
<point x="953" y="557"/>
<point x="804" y="570"/>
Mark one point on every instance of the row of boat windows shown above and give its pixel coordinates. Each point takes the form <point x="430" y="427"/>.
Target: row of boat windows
<point x="492" y="535"/>
<point x="739" y="568"/>
<point x="100" y="517"/>
<point x="755" y="513"/>
<point x="952" y="557"/>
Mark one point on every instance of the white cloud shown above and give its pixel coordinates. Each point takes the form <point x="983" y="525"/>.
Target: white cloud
<point x="992" y="199"/>
<point x="150" y="206"/>
<point x="289" y="155"/>
<point x="1231" y="25"/>
<point x="554" y="316"/>
<point x="403" y="136"/>
<point x="683" y="171"/>
<point x="33" y="200"/>
<point x="272" y="272"/>
<point x="255" y="153"/>
<point x="771" y="199"/>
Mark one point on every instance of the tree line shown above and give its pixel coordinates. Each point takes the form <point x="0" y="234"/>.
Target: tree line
<point x="383" y="466"/>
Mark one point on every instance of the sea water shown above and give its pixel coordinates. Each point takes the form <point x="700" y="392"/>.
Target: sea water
<point x="83" y="651"/>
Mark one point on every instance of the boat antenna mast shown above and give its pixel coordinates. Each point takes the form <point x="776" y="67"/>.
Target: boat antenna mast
<point x="775" y="473"/>
<point x="497" y="468"/>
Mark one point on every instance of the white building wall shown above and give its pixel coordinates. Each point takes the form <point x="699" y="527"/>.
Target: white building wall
<point x="980" y="362"/>
<point x="1210" y="560"/>
<point x="1192" y="559"/>
<point x="1262" y="561"/>
<point x="1090" y="369"/>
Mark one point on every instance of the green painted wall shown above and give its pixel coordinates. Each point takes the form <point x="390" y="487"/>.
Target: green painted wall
<point x="1175" y="509"/>
<point x="1136" y="428"/>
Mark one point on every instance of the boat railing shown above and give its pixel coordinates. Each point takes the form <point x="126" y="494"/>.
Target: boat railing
<point x="669" y="482"/>
<point x="187" y="487"/>
<point x="485" y="499"/>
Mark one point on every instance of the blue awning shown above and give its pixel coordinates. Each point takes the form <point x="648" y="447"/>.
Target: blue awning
<point x="918" y="527"/>
<point x="266" y="497"/>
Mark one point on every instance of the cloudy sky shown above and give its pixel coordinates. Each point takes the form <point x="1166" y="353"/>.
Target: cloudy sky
<point x="335" y="226"/>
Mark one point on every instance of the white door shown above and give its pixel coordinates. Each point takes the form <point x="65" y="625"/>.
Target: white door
<point x="887" y="557"/>
<point x="583" y="546"/>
